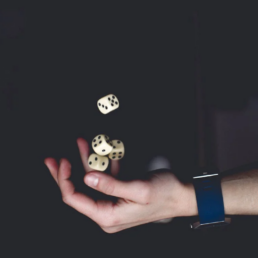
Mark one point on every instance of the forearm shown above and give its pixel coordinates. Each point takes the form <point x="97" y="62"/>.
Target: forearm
<point x="239" y="191"/>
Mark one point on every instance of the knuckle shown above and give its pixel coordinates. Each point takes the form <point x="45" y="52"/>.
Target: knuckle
<point x="66" y="199"/>
<point x="109" y="188"/>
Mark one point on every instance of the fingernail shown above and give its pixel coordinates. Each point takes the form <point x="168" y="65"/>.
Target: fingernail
<point x="91" y="180"/>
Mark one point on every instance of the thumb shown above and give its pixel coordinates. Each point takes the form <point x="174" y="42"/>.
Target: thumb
<point x="136" y="190"/>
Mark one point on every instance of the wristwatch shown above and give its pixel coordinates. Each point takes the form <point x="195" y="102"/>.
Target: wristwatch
<point x="207" y="185"/>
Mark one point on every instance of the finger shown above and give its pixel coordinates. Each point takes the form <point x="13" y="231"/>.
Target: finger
<point x="63" y="175"/>
<point x="84" y="150"/>
<point x="115" y="167"/>
<point x="137" y="190"/>
<point x="52" y="166"/>
<point x="76" y="200"/>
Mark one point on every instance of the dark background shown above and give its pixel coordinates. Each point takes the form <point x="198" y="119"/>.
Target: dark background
<point x="175" y="70"/>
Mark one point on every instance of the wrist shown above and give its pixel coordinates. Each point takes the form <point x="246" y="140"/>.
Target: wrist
<point x="190" y="202"/>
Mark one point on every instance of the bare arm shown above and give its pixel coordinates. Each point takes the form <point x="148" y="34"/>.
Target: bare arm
<point x="240" y="194"/>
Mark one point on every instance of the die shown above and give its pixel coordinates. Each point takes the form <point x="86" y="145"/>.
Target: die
<point x="98" y="162"/>
<point x="101" y="145"/>
<point x="118" y="151"/>
<point x="108" y="103"/>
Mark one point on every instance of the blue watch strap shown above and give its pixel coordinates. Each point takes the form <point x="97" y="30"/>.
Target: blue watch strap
<point x="209" y="198"/>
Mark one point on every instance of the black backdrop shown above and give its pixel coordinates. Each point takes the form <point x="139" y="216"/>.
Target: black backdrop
<point x="67" y="58"/>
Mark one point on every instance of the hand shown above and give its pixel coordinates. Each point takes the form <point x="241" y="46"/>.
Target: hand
<point x="159" y="196"/>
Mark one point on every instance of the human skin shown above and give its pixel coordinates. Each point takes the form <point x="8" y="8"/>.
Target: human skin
<point x="159" y="196"/>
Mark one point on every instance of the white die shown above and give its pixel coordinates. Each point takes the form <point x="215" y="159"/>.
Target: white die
<point x="98" y="162"/>
<point x="108" y="103"/>
<point x="118" y="151"/>
<point x="101" y="145"/>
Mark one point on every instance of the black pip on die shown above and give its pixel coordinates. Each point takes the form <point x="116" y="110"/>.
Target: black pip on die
<point x="108" y="103"/>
